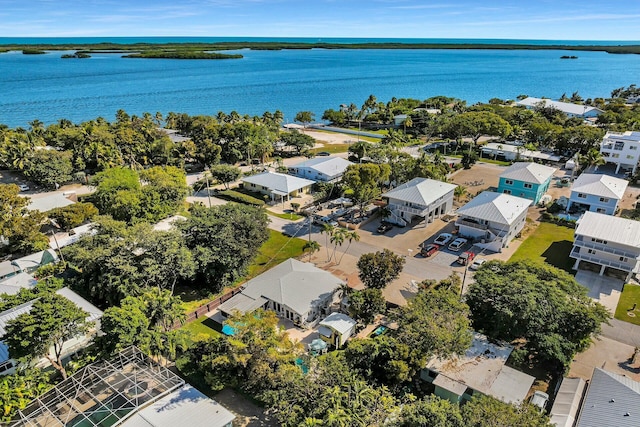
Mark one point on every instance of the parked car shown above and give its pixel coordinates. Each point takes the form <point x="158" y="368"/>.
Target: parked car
<point x="443" y="239"/>
<point x="477" y="263"/>
<point x="457" y="244"/>
<point x="323" y="154"/>
<point x="465" y="258"/>
<point x="430" y="249"/>
<point x="384" y="227"/>
<point x="24" y="187"/>
<point x="540" y="399"/>
<point x="325" y="220"/>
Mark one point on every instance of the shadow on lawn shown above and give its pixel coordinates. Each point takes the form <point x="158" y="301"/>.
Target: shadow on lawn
<point x="557" y="254"/>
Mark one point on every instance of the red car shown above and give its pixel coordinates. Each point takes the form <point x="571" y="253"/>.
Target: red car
<point x="430" y="249"/>
<point x="465" y="258"/>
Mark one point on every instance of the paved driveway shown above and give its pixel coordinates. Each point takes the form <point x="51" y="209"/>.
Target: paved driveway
<point x="606" y="290"/>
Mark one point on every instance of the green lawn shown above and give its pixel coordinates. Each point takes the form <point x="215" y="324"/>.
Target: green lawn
<point x="549" y="243"/>
<point x="332" y="148"/>
<point x="291" y="216"/>
<point x="630" y="296"/>
<point x="202" y="329"/>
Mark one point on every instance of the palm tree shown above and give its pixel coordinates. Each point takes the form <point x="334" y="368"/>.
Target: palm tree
<point x="327" y="230"/>
<point x="593" y="157"/>
<point x="351" y="236"/>
<point x="338" y="237"/>
<point x="311" y="247"/>
<point x="459" y="192"/>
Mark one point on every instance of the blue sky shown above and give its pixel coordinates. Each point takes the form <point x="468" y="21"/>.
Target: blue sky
<point x="522" y="19"/>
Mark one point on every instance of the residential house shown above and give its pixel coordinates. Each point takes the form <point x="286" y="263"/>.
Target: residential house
<point x="607" y="243"/>
<point x="321" y="169"/>
<point x="481" y="370"/>
<point x="526" y="179"/>
<point x="11" y="285"/>
<point x="278" y="186"/>
<point x="131" y="390"/>
<point x="336" y="329"/>
<point x="515" y="152"/>
<point x="621" y="150"/>
<point x="596" y="193"/>
<point x="571" y="110"/>
<point x="420" y="198"/>
<point x="94" y="314"/>
<point x="492" y="219"/>
<point x="295" y="290"/>
<point x="610" y="400"/>
<point x="31" y="263"/>
<point x="7" y="269"/>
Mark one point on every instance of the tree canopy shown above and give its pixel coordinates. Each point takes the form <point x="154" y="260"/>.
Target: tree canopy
<point x="539" y="304"/>
<point x="379" y="269"/>
<point x="19" y="227"/>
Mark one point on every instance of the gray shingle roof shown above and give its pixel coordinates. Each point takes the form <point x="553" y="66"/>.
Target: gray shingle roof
<point x="600" y="185"/>
<point x="528" y="172"/>
<point x="279" y="181"/>
<point x="495" y="207"/>
<point x="610" y="228"/>
<point x="293" y="283"/>
<point x="422" y="191"/>
<point x="610" y="397"/>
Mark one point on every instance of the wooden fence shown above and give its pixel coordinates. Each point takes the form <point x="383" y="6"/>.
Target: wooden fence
<point x="208" y="307"/>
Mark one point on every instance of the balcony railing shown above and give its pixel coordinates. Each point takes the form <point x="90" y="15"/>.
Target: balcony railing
<point x="466" y="223"/>
<point x="604" y="248"/>
<point x="601" y="261"/>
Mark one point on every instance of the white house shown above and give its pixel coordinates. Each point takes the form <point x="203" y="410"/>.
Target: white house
<point x="609" y="243"/>
<point x="278" y="186"/>
<point x="46" y="202"/>
<point x="621" y="150"/>
<point x="422" y="198"/>
<point x="513" y="152"/>
<point x="295" y="290"/>
<point x="11" y="285"/>
<point x="482" y="370"/>
<point x="324" y="169"/>
<point x="571" y="110"/>
<point x="94" y="314"/>
<point x="596" y="193"/>
<point x="493" y="219"/>
<point x="336" y="329"/>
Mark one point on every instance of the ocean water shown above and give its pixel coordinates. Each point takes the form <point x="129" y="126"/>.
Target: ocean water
<point x="49" y="88"/>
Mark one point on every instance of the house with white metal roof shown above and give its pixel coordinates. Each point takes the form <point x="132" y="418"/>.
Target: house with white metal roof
<point x="420" y="198"/>
<point x="278" y="186"/>
<point x="323" y="169"/>
<point x="621" y="150"/>
<point x="295" y="290"/>
<point x="46" y="202"/>
<point x="610" y="243"/>
<point x="31" y="263"/>
<point x="11" y="285"/>
<point x="611" y="400"/>
<point x="516" y="152"/>
<point x="492" y="219"/>
<point x="71" y="346"/>
<point x="336" y="329"/>
<point x="596" y="193"/>
<point x="571" y="110"/>
<point x="482" y="369"/>
<point x="566" y="405"/>
<point x="526" y="179"/>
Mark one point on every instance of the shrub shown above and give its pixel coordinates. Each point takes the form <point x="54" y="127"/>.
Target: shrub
<point x="73" y="215"/>
<point x="236" y="196"/>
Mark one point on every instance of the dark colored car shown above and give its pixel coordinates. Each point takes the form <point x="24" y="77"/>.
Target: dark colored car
<point x="430" y="249"/>
<point x="466" y="257"/>
<point x="323" y="154"/>
<point x="384" y="227"/>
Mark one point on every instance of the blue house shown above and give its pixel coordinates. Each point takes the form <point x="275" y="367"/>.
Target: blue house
<point x="527" y="180"/>
<point x="596" y="193"/>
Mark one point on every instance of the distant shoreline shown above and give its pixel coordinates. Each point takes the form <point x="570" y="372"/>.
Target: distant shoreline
<point x="196" y="48"/>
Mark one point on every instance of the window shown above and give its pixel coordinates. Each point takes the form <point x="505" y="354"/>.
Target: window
<point x="624" y="259"/>
<point x="604" y="199"/>
<point x="591" y="251"/>
<point x="615" y="155"/>
<point x="527" y="185"/>
<point x="601" y="210"/>
<point x="630" y="156"/>
<point x="507" y="191"/>
<point x="633" y="147"/>
<point x="508" y="181"/>
<point x="582" y="196"/>
<point x="599" y="241"/>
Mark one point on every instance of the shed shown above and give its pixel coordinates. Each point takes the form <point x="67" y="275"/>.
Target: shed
<point x="336" y="329"/>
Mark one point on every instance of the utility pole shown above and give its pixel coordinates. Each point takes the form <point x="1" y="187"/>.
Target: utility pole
<point x="206" y="175"/>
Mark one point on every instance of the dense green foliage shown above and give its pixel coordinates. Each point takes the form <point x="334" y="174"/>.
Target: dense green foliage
<point x="50" y="168"/>
<point x="181" y="54"/>
<point x="43" y="287"/>
<point x="485" y="411"/>
<point x="377" y="270"/>
<point x="538" y="304"/>
<point x="52" y="321"/>
<point x="17" y="390"/>
<point x="225" y="174"/>
<point x="74" y="215"/>
<point x="19" y="227"/>
<point x="365" y="304"/>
